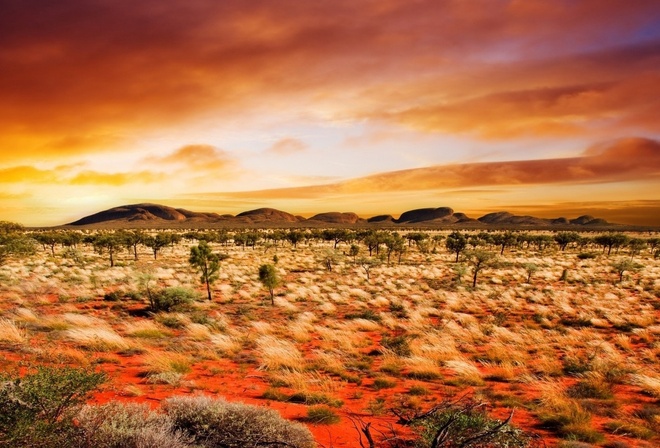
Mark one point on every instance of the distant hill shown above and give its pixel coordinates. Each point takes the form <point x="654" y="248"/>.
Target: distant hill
<point x="155" y="215"/>
<point x="268" y="215"/>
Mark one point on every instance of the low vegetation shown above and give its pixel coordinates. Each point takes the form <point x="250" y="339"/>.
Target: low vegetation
<point x="416" y="338"/>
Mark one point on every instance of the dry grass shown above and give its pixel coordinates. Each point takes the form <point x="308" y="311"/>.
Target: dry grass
<point x="10" y="332"/>
<point x="329" y="328"/>
<point x="98" y="339"/>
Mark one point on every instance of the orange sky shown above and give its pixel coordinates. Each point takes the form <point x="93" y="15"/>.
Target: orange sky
<point x="373" y="106"/>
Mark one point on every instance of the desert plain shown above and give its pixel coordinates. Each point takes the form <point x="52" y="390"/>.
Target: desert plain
<point x="357" y="338"/>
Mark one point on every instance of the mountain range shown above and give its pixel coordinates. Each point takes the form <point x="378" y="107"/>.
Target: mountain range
<point x="156" y="215"/>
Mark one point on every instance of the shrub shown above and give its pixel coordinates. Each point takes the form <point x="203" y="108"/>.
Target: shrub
<point x="169" y="299"/>
<point x="467" y="425"/>
<point x="400" y="345"/>
<point x="215" y="423"/>
<point x="590" y="388"/>
<point x="322" y="415"/>
<point x="383" y="383"/>
<point x="37" y="408"/>
<point x="127" y="426"/>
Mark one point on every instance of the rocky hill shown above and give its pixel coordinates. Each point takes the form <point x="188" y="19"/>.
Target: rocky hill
<point x="155" y="215"/>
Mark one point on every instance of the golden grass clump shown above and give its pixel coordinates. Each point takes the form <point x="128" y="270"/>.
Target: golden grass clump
<point x="97" y="338"/>
<point x="10" y="332"/>
<point x="276" y="353"/>
<point x="158" y="363"/>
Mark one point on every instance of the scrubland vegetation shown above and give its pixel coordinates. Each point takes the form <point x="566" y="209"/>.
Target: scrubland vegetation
<point x="367" y="338"/>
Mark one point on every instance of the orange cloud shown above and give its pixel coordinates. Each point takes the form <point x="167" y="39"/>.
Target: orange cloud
<point x="115" y="179"/>
<point x="287" y="146"/>
<point x="197" y="157"/>
<point x="26" y="174"/>
<point x="621" y="160"/>
<point x="153" y="64"/>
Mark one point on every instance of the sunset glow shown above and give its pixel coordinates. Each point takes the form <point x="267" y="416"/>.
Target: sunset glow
<point x="539" y="107"/>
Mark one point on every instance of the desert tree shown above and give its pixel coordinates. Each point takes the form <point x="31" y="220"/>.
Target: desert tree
<point x="636" y="245"/>
<point x="611" y="241"/>
<point x="156" y="243"/>
<point x="131" y="240"/>
<point x="294" y="237"/>
<point x="107" y="242"/>
<point x="367" y="264"/>
<point x="530" y="269"/>
<point x="563" y="239"/>
<point x="49" y="239"/>
<point x="505" y="239"/>
<point x="13" y="241"/>
<point x="478" y="260"/>
<point x="624" y="265"/>
<point x="373" y="239"/>
<point x="270" y="279"/>
<point x="354" y="251"/>
<point x="336" y="236"/>
<point x="329" y="259"/>
<point x="456" y="243"/>
<point x="437" y="239"/>
<point x="394" y="244"/>
<point x="207" y="263"/>
<point x="416" y="237"/>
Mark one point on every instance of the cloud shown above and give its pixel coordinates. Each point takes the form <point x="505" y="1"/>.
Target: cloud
<point x="72" y="175"/>
<point x="615" y="161"/>
<point x="115" y="179"/>
<point x="452" y="66"/>
<point x="197" y="157"/>
<point x="287" y="146"/>
<point x="17" y="174"/>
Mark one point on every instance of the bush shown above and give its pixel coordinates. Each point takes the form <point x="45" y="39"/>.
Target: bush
<point x="590" y="389"/>
<point x="169" y="299"/>
<point x="127" y="426"/>
<point x="399" y="345"/>
<point x="215" y="423"/>
<point x="37" y="409"/>
<point x="322" y="415"/>
<point x="468" y="425"/>
<point x="383" y="383"/>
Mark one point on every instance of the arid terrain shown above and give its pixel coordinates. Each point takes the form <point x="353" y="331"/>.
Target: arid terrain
<point x="371" y="327"/>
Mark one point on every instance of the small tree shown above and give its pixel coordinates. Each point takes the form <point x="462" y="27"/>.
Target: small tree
<point x="624" y="265"/>
<point x="530" y="268"/>
<point x="456" y="243"/>
<point x="270" y="279"/>
<point x="479" y="260"/>
<point x="107" y="242"/>
<point x="367" y="264"/>
<point x="131" y="240"/>
<point x="37" y="408"/>
<point x="156" y="243"/>
<point x="208" y="263"/>
<point x="563" y="239"/>
<point x="354" y="251"/>
<point x="636" y="245"/>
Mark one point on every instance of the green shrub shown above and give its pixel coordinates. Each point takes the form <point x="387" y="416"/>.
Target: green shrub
<point x="217" y="423"/>
<point x="418" y="390"/>
<point x="322" y="415"/>
<point x="590" y="389"/>
<point x="400" y="345"/>
<point x="383" y="383"/>
<point x="37" y="409"/>
<point x="468" y="425"/>
<point x="173" y="298"/>
<point x="366" y="314"/>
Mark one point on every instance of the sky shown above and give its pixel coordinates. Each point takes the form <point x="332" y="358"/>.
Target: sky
<point x="548" y="108"/>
